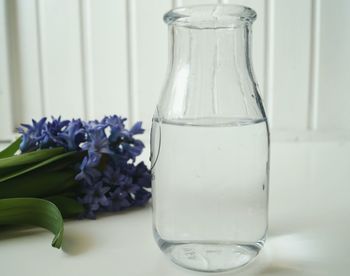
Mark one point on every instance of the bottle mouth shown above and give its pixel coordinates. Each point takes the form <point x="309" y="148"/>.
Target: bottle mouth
<point x="210" y="16"/>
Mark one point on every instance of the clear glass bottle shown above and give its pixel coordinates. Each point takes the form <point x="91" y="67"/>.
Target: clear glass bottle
<point x="210" y="143"/>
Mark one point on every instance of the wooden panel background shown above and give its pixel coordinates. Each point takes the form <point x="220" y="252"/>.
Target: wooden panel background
<point x="87" y="58"/>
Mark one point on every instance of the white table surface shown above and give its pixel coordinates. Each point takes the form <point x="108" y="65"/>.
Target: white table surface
<point x="308" y="235"/>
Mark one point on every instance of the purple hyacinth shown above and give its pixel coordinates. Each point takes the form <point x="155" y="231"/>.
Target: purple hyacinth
<point x="96" y="145"/>
<point x="108" y="176"/>
<point x="142" y="176"/>
<point x="32" y="136"/>
<point x="119" y="200"/>
<point x="88" y="175"/>
<point x="72" y="135"/>
<point x="94" y="198"/>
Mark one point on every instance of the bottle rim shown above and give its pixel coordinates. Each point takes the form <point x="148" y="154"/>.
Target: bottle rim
<point x="210" y="16"/>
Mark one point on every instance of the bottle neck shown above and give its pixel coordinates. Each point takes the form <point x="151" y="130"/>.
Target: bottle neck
<point x="208" y="54"/>
<point x="207" y="68"/>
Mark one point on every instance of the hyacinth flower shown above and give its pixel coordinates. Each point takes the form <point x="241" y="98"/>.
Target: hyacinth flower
<point x="71" y="168"/>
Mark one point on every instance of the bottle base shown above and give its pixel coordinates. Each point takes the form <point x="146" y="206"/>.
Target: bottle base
<point x="210" y="257"/>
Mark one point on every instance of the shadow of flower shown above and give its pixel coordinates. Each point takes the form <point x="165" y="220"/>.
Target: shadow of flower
<point x="76" y="243"/>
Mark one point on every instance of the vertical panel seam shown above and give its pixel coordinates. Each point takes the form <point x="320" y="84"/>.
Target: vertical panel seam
<point x="85" y="40"/>
<point x="314" y="66"/>
<point x="269" y="58"/>
<point x="40" y="58"/>
<point x="131" y="57"/>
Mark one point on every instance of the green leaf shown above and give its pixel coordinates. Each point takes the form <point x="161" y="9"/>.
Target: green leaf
<point x="29" y="158"/>
<point x="11" y="149"/>
<point x="68" y="207"/>
<point x="57" y="162"/>
<point x="38" y="184"/>
<point x="35" y="212"/>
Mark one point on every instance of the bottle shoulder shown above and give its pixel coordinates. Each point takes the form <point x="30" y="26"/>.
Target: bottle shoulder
<point x="183" y="99"/>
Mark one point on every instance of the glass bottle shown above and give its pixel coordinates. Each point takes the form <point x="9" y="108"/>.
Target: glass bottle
<point x="210" y="143"/>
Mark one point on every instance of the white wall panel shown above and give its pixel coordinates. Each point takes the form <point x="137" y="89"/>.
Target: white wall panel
<point x="104" y="27"/>
<point x="5" y="101"/>
<point x="61" y="57"/>
<point x="290" y="39"/>
<point x="26" y="74"/>
<point x="334" y="60"/>
<point x="88" y="58"/>
<point x="148" y="57"/>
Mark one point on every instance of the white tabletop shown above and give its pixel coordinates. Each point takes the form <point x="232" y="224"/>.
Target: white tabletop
<point x="309" y="228"/>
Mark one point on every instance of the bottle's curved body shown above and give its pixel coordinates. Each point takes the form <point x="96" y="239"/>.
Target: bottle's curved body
<point x="210" y="143"/>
